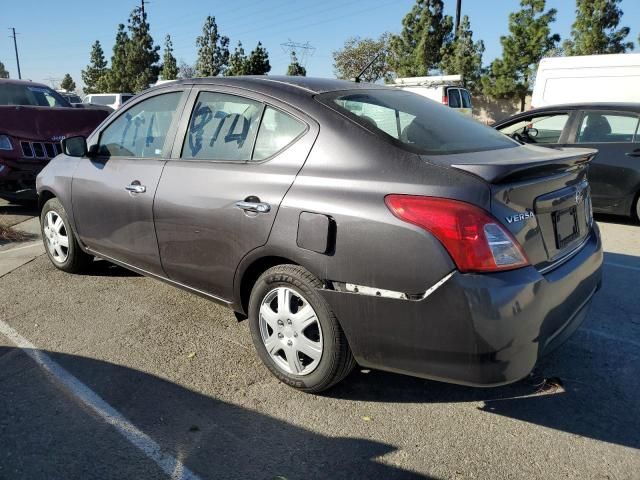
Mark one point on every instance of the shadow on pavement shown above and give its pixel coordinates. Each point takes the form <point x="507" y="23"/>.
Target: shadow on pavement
<point x="45" y="433"/>
<point x="103" y="268"/>
<point x="619" y="219"/>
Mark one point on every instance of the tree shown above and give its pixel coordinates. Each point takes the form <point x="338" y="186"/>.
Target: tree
<point x="594" y="30"/>
<point x="117" y="80"/>
<point x="418" y="48"/>
<point x="94" y="76"/>
<point x="213" y="50"/>
<point x="3" y="71"/>
<point x="357" y="52"/>
<point x="530" y="39"/>
<point x="464" y="57"/>
<point x="186" y="70"/>
<point x="238" y="62"/>
<point x="141" y="54"/>
<point x="169" y="63"/>
<point x="295" y="69"/>
<point x="67" y="83"/>
<point x="258" y="61"/>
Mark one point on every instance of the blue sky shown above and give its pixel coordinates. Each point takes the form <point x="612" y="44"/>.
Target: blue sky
<point x="54" y="41"/>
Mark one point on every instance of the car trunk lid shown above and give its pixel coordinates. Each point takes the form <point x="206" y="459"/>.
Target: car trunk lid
<point x="540" y="195"/>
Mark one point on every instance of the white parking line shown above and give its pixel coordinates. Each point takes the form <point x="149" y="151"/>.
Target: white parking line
<point x="170" y="465"/>
<point x="620" y="265"/>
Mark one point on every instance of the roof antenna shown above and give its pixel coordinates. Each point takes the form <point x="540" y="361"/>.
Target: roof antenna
<point x="367" y="66"/>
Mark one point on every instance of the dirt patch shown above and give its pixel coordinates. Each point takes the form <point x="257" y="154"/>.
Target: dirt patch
<point x="9" y="234"/>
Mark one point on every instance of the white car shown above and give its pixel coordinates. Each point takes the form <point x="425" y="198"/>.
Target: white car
<point x="587" y="79"/>
<point x="443" y="89"/>
<point x="113" y="100"/>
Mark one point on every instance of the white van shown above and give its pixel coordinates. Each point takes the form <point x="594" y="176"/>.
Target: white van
<point x="589" y="78"/>
<point x="113" y="100"/>
<point x="444" y="89"/>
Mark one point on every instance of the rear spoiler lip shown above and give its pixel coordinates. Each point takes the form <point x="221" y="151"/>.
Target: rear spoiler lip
<point x="505" y="172"/>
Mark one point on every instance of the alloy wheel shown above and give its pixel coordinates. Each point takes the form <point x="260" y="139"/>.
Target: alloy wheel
<point x="290" y="331"/>
<point x="56" y="236"/>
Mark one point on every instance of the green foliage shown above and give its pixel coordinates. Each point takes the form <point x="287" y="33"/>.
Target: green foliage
<point x="594" y="30"/>
<point x="213" y="50"/>
<point x="94" y="76"/>
<point x="529" y="40"/>
<point x="67" y="83"/>
<point x="463" y="56"/>
<point x="169" y="63"/>
<point x="238" y="62"/>
<point x="258" y="62"/>
<point x="295" y="69"/>
<point x="3" y="71"/>
<point x="116" y="79"/>
<point x="141" y="54"/>
<point x="418" y="48"/>
<point x="357" y="52"/>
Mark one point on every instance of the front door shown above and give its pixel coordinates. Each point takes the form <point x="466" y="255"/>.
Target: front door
<point x="113" y="191"/>
<point x="614" y="174"/>
<point x="220" y="193"/>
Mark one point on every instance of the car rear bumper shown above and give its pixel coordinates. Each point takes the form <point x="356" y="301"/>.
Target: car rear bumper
<point x="475" y="329"/>
<point x="18" y="179"/>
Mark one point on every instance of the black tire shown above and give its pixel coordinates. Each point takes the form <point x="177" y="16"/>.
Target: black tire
<point x="76" y="259"/>
<point x="635" y="214"/>
<point x="336" y="361"/>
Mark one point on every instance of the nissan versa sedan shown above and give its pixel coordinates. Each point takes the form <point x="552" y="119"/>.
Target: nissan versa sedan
<point x="350" y="223"/>
<point x="611" y="128"/>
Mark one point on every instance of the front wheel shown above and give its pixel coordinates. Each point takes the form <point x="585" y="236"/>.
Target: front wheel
<point x="59" y="240"/>
<point x="637" y="208"/>
<point x="295" y="333"/>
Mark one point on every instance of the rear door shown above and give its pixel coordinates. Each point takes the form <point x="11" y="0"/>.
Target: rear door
<point x="112" y="193"/>
<point x="219" y="194"/>
<point x="615" y="172"/>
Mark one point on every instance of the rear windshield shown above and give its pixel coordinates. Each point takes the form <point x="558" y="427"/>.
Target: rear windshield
<point x="103" y="99"/>
<point x="30" y="95"/>
<point x="415" y="123"/>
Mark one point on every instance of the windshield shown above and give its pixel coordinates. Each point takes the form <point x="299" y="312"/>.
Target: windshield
<point x="30" y="95"/>
<point x="416" y="123"/>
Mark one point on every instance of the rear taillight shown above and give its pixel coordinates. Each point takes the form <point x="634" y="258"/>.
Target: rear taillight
<point x="476" y="241"/>
<point x="445" y="100"/>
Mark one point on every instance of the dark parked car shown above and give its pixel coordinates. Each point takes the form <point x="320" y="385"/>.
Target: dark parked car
<point x="611" y="128"/>
<point x="349" y="222"/>
<point x="33" y="120"/>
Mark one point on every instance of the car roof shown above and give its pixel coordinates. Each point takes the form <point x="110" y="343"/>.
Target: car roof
<point x="273" y="83"/>
<point x="13" y="81"/>
<point x="620" y="106"/>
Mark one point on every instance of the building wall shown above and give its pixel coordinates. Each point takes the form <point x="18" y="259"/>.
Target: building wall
<point x="489" y="110"/>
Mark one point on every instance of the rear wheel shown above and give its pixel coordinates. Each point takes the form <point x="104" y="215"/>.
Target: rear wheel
<point x="637" y="208"/>
<point x="295" y="333"/>
<point x="59" y="240"/>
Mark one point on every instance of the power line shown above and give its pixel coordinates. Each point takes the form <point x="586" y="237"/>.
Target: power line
<point x="306" y="50"/>
<point x="15" y="46"/>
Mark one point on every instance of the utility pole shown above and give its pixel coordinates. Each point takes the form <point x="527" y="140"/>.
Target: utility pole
<point x="458" y="7"/>
<point x="15" y="46"/>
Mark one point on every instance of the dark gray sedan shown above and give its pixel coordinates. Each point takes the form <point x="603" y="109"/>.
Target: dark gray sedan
<point x="611" y="128"/>
<point x="350" y="223"/>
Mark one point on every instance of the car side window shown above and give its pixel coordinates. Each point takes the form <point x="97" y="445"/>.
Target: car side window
<point x="466" y="98"/>
<point x="599" y="127"/>
<point x="141" y="131"/>
<point x="538" y="129"/>
<point x="454" y="97"/>
<point x="222" y="127"/>
<point x="277" y="130"/>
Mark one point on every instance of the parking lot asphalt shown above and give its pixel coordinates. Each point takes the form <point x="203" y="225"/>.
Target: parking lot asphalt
<point x="183" y="371"/>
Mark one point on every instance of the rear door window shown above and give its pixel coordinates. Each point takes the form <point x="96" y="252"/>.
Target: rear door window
<point x="276" y="132"/>
<point x="466" y="98"/>
<point x="599" y="127"/>
<point x="538" y="129"/>
<point x="222" y="127"/>
<point x="141" y="131"/>
<point x="454" y="97"/>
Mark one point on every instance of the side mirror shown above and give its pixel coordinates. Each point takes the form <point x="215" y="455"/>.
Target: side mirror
<point x="75" y="146"/>
<point x="532" y="132"/>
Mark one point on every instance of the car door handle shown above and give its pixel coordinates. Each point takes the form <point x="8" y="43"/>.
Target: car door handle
<point x="635" y="153"/>
<point x="135" y="187"/>
<point x="257" y="207"/>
